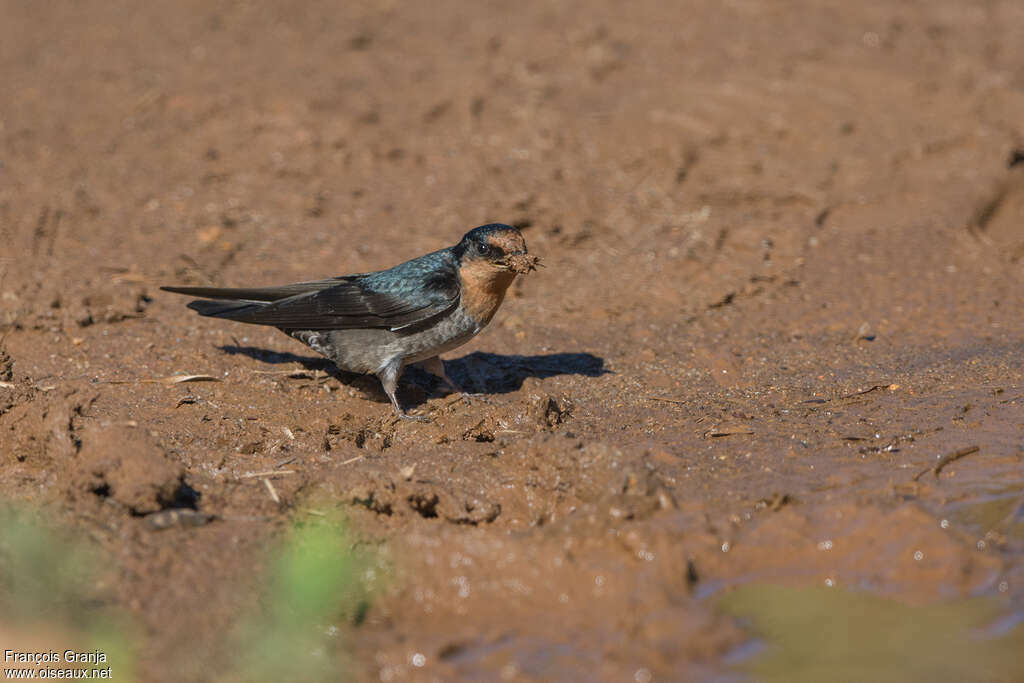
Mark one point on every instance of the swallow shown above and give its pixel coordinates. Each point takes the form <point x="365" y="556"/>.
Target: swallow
<point x="378" y="323"/>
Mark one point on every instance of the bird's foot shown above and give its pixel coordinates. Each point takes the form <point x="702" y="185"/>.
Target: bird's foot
<point x="397" y="411"/>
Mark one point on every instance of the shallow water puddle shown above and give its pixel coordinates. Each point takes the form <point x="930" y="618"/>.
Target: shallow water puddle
<point x="828" y="634"/>
<point x="999" y="511"/>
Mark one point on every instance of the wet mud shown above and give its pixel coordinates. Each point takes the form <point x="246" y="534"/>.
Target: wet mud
<point x="775" y="350"/>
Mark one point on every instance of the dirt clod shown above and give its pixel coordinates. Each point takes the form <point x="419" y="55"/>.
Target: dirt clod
<point x="126" y="466"/>
<point x="177" y="517"/>
<point x="548" y="412"/>
<point x="6" y="366"/>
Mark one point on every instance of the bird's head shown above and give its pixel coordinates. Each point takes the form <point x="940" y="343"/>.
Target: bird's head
<point x="497" y="245"/>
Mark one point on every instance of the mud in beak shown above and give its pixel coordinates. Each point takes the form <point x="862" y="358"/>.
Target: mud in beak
<point x="521" y="262"/>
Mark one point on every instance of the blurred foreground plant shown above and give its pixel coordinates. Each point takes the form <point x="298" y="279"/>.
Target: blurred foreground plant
<point x="314" y="584"/>
<point x="51" y="597"/>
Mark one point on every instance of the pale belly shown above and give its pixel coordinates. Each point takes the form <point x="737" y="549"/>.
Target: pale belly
<point x="368" y="350"/>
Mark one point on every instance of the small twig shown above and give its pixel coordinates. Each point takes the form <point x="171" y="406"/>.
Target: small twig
<point x="716" y="433"/>
<point x="291" y="374"/>
<point x="955" y="455"/>
<point x="866" y="391"/>
<point x="173" y="379"/>
<point x="284" y="462"/>
<point x="271" y="473"/>
<point x="666" y="400"/>
<point x="178" y="379"/>
<point x="351" y="460"/>
<point x="946" y="459"/>
<point x="272" y="490"/>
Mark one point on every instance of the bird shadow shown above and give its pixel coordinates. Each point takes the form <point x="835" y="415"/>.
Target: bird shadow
<point x="478" y="372"/>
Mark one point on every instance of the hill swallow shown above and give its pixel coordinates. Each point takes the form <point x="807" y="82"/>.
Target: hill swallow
<point x="382" y="321"/>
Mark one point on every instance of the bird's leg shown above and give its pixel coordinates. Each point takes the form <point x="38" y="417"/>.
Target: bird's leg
<point x="388" y="375"/>
<point x="435" y="366"/>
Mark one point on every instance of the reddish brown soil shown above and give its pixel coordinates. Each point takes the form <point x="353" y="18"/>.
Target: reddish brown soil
<point x="783" y="276"/>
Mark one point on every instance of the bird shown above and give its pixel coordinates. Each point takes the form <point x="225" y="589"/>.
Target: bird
<point x="380" y="322"/>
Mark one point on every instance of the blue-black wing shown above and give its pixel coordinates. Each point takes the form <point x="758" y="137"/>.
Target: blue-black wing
<point x="407" y="296"/>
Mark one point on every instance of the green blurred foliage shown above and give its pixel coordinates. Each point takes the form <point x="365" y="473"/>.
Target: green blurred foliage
<point x="314" y="589"/>
<point x="316" y="586"/>
<point x="48" y="582"/>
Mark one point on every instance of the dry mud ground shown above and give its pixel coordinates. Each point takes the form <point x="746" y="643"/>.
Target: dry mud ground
<point x="783" y="245"/>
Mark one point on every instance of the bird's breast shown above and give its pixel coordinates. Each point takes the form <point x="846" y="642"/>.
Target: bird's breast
<point x="483" y="290"/>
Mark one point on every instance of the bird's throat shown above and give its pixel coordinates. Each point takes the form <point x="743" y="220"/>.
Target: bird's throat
<point x="483" y="289"/>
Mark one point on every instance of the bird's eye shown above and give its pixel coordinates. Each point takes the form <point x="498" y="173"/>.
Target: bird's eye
<point x="485" y="249"/>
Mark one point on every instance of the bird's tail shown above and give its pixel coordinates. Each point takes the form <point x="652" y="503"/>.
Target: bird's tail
<point x="229" y="303"/>
<point x="239" y="303"/>
<point x="232" y="310"/>
<point x="250" y="294"/>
